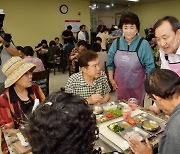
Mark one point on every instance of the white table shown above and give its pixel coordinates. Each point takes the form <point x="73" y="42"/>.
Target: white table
<point x="111" y="138"/>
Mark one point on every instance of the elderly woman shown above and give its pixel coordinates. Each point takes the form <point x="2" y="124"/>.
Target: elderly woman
<point x="63" y="124"/>
<point x="17" y="100"/>
<point x="129" y="59"/>
<point x="163" y="86"/>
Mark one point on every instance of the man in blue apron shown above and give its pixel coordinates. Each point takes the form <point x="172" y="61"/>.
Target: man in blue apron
<point x="129" y="59"/>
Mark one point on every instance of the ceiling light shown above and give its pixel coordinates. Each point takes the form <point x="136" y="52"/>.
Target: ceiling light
<point x="133" y="0"/>
<point x="107" y="6"/>
<point x="112" y="4"/>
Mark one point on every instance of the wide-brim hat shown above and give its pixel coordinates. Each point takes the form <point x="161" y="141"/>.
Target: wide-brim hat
<point x="14" y="69"/>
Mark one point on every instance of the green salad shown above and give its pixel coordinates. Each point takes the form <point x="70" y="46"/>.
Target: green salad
<point x="117" y="111"/>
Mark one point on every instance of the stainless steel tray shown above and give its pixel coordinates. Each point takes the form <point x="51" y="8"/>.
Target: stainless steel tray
<point x="151" y="117"/>
<point x="138" y="133"/>
<point x="141" y="117"/>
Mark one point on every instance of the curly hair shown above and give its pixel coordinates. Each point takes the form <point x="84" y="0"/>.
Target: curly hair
<point x="67" y="126"/>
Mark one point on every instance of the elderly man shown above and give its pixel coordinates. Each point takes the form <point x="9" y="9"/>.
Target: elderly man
<point x="90" y="83"/>
<point x="167" y="32"/>
<point x="8" y="49"/>
<point x="167" y="97"/>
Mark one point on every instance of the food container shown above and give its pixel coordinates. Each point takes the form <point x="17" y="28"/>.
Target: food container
<point x="124" y="124"/>
<point x="101" y="118"/>
<point x="135" y="132"/>
<point x="150" y="125"/>
<point x="126" y="113"/>
<point x="97" y="110"/>
<point x="133" y="103"/>
<point x="151" y="117"/>
<point x="110" y="105"/>
<point x="140" y="118"/>
<point x="115" y="127"/>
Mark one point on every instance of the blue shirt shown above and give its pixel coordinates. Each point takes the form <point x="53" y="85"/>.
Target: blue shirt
<point x="144" y="53"/>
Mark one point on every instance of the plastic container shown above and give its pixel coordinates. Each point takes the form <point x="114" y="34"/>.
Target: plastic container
<point x="133" y="103"/>
<point x="126" y="113"/>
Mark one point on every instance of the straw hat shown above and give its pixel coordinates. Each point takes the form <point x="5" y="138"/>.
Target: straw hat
<point x="14" y="69"/>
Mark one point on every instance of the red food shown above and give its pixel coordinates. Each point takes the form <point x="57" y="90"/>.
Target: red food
<point x="132" y="121"/>
<point x="109" y="115"/>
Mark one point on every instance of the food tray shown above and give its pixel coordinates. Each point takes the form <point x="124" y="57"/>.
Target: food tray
<point x="151" y="117"/>
<point x="135" y="132"/>
<point x="139" y="118"/>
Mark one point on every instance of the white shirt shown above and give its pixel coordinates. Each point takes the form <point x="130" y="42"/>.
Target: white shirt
<point x="81" y="36"/>
<point x="172" y="58"/>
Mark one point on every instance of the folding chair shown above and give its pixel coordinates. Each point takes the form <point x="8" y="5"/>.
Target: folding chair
<point x="42" y="79"/>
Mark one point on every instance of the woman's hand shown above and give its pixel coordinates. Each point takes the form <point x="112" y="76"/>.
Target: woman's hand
<point x="114" y="84"/>
<point x="139" y="148"/>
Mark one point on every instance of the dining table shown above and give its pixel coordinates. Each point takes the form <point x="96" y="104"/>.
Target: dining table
<point x="108" y="140"/>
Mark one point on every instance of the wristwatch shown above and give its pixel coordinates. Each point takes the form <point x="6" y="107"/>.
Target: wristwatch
<point x="7" y="45"/>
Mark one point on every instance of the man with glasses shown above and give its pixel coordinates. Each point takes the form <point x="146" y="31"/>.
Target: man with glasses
<point x="163" y="86"/>
<point x="90" y="83"/>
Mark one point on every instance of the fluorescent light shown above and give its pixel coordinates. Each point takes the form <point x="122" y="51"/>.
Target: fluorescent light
<point x="133" y="0"/>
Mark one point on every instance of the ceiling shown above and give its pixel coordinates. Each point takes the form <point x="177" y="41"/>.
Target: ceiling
<point x="123" y="2"/>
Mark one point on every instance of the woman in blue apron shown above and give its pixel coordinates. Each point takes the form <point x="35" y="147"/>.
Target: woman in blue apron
<point x="129" y="59"/>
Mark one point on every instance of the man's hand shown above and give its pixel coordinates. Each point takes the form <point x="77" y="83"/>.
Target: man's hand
<point x="140" y="148"/>
<point x="94" y="99"/>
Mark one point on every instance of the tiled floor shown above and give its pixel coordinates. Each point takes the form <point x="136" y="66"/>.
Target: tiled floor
<point x="57" y="81"/>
